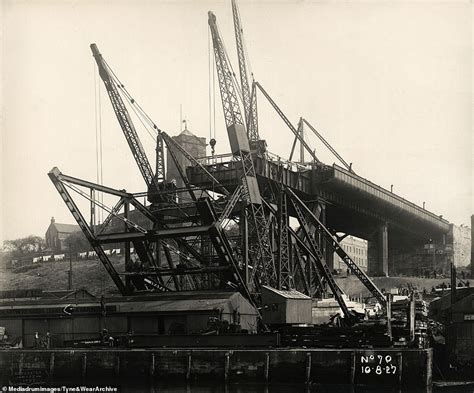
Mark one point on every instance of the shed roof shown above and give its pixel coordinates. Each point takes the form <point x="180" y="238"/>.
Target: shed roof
<point x="287" y="294"/>
<point x="440" y="305"/>
<point x="172" y="302"/>
<point x="464" y="305"/>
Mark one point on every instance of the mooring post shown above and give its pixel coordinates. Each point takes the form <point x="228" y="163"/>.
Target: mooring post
<point x="389" y="315"/>
<point x="308" y="367"/>
<point x="353" y="367"/>
<point x="117" y="364"/>
<point x="267" y="366"/>
<point x="51" y="366"/>
<point x="20" y="363"/>
<point x="227" y="366"/>
<point x="400" y="368"/>
<point x="188" y="367"/>
<point x="84" y="366"/>
<point x="152" y="365"/>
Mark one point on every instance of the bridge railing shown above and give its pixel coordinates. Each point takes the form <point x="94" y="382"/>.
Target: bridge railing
<point x="220" y="159"/>
<point x="394" y="199"/>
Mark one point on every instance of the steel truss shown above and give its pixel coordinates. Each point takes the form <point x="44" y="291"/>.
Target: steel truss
<point x="186" y="245"/>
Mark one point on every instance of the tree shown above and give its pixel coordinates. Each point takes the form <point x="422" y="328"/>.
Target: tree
<point x="77" y="241"/>
<point x="24" y="246"/>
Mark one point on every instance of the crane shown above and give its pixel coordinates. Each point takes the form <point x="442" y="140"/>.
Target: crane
<point x="127" y="126"/>
<point x="249" y="98"/>
<point x="260" y="248"/>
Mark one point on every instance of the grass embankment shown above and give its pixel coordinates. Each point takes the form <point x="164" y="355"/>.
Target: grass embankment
<point x="90" y="274"/>
<point x="50" y="276"/>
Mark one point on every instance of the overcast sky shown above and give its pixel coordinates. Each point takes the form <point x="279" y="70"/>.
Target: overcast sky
<point x="387" y="83"/>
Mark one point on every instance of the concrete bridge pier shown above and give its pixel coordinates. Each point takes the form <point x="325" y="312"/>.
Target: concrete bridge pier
<point x="377" y="252"/>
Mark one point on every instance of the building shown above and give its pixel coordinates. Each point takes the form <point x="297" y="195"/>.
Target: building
<point x="356" y="248"/>
<point x="285" y="307"/>
<point x="460" y="238"/>
<point x="457" y="315"/>
<point x="194" y="145"/>
<point x="79" y="316"/>
<point x="472" y="247"/>
<point x="57" y="234"/>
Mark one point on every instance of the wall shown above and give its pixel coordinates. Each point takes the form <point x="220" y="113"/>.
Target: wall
<point x="460" y="238"/>
<point x="90" y="327"/>
<point x="410" y="368"/>
<point x="461" y="331"/>
<point x="356" y="248"/>
<point x="194" y="145"/>
<point x="472" y="246"/>
<point x="51" y="238"/>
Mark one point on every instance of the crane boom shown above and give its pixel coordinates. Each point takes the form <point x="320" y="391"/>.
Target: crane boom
<point x="230" y="104"/>
<point x="260" y="248"/>
<point x="125" y="121"/>
<point x="249" y="100"/>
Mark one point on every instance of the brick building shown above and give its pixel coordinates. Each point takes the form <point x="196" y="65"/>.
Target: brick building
<point x="56" y="234"/>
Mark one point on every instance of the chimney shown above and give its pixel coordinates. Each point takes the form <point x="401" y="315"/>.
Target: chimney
<point x="53" y="220"/>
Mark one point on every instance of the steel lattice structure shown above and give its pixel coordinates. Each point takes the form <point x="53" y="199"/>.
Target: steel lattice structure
<point x="180" y="241"/>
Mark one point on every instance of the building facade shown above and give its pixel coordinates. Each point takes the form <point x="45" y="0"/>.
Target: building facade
<point x="460" y="239"/>
<point x="194" y="145"/>
<point x="56" y="235"/>
<point x="356" y="248"/>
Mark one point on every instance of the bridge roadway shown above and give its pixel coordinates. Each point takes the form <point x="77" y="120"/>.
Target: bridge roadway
<point x="350" y="203"/>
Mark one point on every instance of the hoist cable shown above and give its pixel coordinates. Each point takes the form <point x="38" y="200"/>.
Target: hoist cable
<point x="209" y="79"/>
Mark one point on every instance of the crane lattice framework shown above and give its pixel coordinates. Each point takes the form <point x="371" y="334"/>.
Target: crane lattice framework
<point x="171" y="246"/>
<point x="260" y="251"/>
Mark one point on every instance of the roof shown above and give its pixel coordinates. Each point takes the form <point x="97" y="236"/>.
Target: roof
<point x="164" y="302"/>
<point x="464" y="305"/>
<point x="66" y="228"/>
<point x="188" y="301"/>
<point x="442" y="304"/>
<point x="176" y="305"/>
<point x="291" y="294"/>
<point x="188" y="134"/>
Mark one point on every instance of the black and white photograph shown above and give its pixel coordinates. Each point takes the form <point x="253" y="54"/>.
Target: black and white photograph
<point x="239" y="196"/>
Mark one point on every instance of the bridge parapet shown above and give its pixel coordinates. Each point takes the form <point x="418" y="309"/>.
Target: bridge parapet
<point x="334" y="185"/>
<point x="338" y="179"/>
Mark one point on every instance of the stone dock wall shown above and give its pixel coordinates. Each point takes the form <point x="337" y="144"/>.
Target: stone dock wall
<point x="394" y="367"/>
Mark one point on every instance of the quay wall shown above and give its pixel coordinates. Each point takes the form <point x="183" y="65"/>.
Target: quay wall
<point x="372" y="367"/>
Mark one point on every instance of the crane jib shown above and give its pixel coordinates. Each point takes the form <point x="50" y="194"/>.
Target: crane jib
<point x="125" y="122"/>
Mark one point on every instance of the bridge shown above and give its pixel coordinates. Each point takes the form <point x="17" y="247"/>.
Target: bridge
<point x="349" y="203"/>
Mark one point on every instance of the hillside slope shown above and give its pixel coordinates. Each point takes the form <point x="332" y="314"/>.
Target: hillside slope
<point x="90" y="274"/>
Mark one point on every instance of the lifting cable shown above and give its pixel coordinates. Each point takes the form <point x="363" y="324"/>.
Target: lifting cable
<point x="143" y="116"/>
<point x="210" y="81"/>
<point x="98" y="138"/>
<point x="138" y="110"/>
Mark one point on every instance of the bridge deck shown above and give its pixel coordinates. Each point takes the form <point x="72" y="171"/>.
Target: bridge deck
<point x="336" y="186"/>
